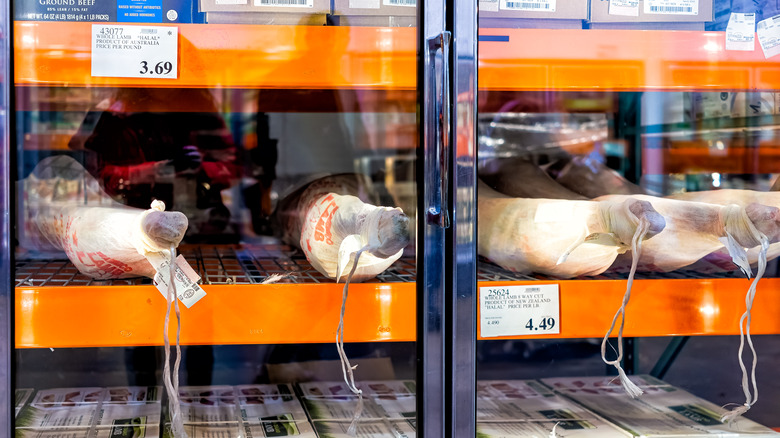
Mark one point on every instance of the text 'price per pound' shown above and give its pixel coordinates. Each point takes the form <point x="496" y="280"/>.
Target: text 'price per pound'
<point x="130" y="51"/>
<point x="519" y="310"/>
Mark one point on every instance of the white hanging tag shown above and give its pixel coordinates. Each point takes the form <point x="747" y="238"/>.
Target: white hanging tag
<point x="186" y="278"/>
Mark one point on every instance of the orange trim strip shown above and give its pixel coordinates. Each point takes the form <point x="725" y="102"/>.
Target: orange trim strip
<point x="544" y="59"/>
<point x="98" y="316"/>
<point x="101" y="316"/>
<point x="660" y="307"/>
<point x="235" y="56"/>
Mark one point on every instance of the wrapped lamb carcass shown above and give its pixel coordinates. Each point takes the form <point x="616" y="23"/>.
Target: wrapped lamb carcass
<point x="331" y="223"/>
<point x="64" y="210"/>
<point x="590" y="178"/>
<point x="562" y="238"/>
<point x="520" y="178"/>
<point x="720" y="261"/>
<point x="696" y="229"/>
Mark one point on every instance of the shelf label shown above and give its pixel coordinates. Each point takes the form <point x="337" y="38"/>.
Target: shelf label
<point x="528" y="5"/>
<point x="185" y="278"/>
<point x="741" y="32"/>
<point x="488" y="5"/>
<point x="519" y="310"/>
<point x="364" y="4"/>
<point x="135" y="51"/>
<point x="626" y="8"/>
<point x="769" y="36"/>
<point x="408" y="3"/>
<point x="672" y="7"/>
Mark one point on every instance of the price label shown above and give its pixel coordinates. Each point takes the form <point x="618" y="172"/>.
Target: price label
<point x="519" y="310"/>
<point x="769" y="36"/>
<point x="740" y="32"/>
<point x="135" y="51"/>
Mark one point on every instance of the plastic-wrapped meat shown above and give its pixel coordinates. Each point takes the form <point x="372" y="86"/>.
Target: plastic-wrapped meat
<point x="64" y="209"/>
<point x="695" y="229"/>
<point x="562" y="238"/>
<point x="328" y="220"/>
<point x="590" y="178"/>
<point x="720" y="261"/>
<point x="520" y="178"/>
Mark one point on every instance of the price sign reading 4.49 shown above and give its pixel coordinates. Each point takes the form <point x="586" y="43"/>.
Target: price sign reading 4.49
<point x="127" y="51"/>
<point x="519" y="310"/>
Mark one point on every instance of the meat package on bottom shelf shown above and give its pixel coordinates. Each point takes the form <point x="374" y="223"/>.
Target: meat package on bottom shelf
<point x="92" y="412"/>
<point x="270" y="410"/>
<point x="662" y="411"/>
<point x="526" y="408"/>
<point x="388" y="408"/>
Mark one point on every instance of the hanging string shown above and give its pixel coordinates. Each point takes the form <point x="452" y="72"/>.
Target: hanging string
<point x="172" y="385"/>
<point x="636" y="248"/>
<point x="744" y="332"/>
<point x="346" y="368"/>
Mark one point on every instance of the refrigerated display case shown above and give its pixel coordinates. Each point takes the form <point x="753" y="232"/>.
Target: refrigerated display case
<point x="256" y="133"/>
<point x="658" y="109"/>
<point x="578" y="113"/>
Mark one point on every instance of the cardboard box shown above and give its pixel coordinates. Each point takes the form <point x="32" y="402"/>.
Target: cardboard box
<point x="298" y="7"/>
<point x="662" y="411"/>
<point x="690" y="11"/>
<point x="536" y="9"/>
<point x="649" y="26"/>
<point x="280" y="18"/>
<point x="526" y="408"/>
<point x="372" y="21"/>
<point x="114" y="11"/>
<point x="396" y="8"/>
<point x="529" y="23"/>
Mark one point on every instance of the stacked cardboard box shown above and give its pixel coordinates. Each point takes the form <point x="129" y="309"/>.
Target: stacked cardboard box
<point x="544" y="14"/>
<point x="650" y="14"/>
<point x="246" y="410"/>
<point x="92" y="412"/>
<point x="388" y="408"/>
<point x="284" y="12"/>
<point x="526" y="408"/>
<point x="662" y="411"/>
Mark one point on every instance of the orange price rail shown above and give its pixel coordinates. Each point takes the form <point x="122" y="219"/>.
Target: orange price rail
<point x="660" y="307"/>
<point x="232" y="56"/>
<point x="544" y="59"/>
<point x="104" y="316"/>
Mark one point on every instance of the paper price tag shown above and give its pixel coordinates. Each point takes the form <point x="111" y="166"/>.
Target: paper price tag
<point x="135" y="51"/>
<point x="407" y="3"/>
<point x="185" y="279"/>
<point x="672" y="7"/>
<point x="769" y="36"/>
<point x="488" y="5"/>
<point x="626" y="8"/>
<point x="740" y="32"/>
<point x="519" y="310"/>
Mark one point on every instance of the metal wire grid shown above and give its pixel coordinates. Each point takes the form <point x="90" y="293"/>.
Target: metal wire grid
<point x="252" y="264"/>
<point x="221" y="264"/>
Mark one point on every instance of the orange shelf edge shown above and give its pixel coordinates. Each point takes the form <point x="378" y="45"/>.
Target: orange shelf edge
<point x="328" y="57"/>
<point x="232" y="56"/>
<point x="97" y="316"/>
<point x="103" y="316"/>
<point x="545" y="59"/>
<point x="661" y="307"/>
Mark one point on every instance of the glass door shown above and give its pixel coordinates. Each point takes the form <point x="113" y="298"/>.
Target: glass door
<point x="626" y="218"/>
<point x="262" y="161"/>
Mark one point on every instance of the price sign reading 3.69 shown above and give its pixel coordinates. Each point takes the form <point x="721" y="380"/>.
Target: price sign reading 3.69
<point x="127" y="51"/>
